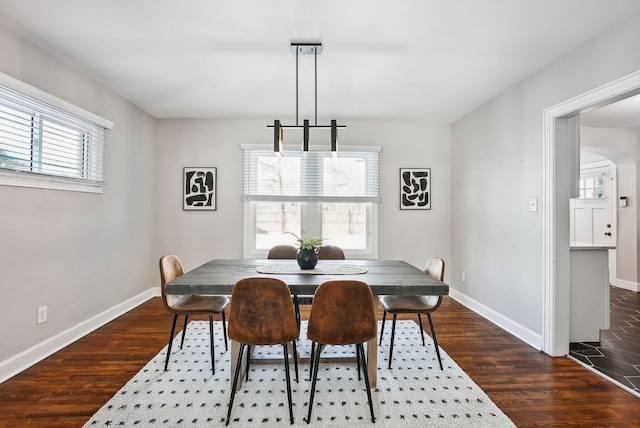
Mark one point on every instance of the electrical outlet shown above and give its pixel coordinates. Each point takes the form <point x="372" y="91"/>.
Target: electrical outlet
<point x="42" y="314"/>
<point x="464" y="277"/>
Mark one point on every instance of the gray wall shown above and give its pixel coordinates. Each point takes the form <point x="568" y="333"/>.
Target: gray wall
<point x="77" y="253"/>
<point x="497" y="166"/>
<point x="200" y="236"/>
<point x="621" y="145"/>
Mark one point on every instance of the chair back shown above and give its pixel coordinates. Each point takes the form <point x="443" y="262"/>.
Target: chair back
<point x="282" y="252"/>
<point x="435" y="268"/>
<point x="170" y="269"/>
<point x="261" y="312"/>
<point x="342" y="313"/>
<point x="330" y="252"/>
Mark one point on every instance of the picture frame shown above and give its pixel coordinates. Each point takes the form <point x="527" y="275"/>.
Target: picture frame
<point x="415" y="188"/>
<point x="199" y="188"/>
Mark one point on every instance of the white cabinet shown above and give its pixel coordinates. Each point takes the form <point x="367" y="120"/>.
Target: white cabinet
<point x="589" y="292"/>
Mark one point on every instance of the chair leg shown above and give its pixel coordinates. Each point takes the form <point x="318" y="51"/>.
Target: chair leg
<point x="184" y="329"/>
<point x="384" y="317"/>
<point x="296" y="308"/>
<point x="360" y="350"/>
<point x="224" y="331"/>
<point x="435" y="341"/>
<point x="235" y="382"/>
<point x="358" y="362"/>
<point x="421" y="329"/>
<point x="248" y="362"/>
<point x="313" y="349"/>
<point x="393" y="336"/>
<point x="288" y="377"/>
<point x="295" y="358"/>
<point x="314" y="368"/>
<point x="173" y="330"/>
<point x="213" y="364"/>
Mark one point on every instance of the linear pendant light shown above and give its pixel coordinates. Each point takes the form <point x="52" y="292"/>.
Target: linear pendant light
<point x="305" y="48"/>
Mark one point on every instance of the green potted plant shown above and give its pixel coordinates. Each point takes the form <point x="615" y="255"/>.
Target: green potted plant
<point x="307" y="250"/>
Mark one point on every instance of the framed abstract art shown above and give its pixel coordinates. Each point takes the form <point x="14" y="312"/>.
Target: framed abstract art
<point x="415" y="188"/>
<point x="199" y="189"/>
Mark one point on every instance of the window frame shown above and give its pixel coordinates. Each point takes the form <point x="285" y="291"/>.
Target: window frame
<point x="23" y="98"/>
<point x="249" y="210"/>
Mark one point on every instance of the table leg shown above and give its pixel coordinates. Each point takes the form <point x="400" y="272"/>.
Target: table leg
<point x="372" y="361"/>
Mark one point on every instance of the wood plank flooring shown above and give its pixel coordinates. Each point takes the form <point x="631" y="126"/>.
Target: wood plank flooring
<point x="532" y="388"/>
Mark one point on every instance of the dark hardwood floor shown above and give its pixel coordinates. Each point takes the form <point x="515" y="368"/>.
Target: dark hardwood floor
<point x="532" y="388"/>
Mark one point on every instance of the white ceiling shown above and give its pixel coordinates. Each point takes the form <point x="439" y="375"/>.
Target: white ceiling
<point x="419" y="60"/>
<point x="622" y="114"/>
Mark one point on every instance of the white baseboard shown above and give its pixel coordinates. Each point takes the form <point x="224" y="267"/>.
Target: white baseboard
<point x="627" y="285"/>
<point x="27" y="358"/>
<point x="522" y="333"/>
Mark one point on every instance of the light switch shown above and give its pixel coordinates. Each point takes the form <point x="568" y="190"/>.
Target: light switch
<point x="533" y="205"/>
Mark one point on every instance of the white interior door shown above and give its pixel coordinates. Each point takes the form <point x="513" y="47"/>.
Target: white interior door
<point x="592" y="215"/>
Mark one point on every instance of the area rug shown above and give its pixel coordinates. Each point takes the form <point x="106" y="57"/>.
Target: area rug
<point x="414" y="393"/>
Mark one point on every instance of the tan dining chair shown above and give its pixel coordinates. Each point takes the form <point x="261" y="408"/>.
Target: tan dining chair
<point x="262" y="314"/>
<point x="282" y="252"/>
<point x="353" y="321"/>
<point x="178" y="305"/>
<point x="330" y="252"/>
<point x="415" y="305"/>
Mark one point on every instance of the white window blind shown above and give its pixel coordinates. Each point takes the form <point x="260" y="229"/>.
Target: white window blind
<point x="40" y="140"/>
<point x="315" y="176"/>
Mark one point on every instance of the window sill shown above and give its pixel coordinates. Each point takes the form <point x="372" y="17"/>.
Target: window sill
<point x="48" y="183"/>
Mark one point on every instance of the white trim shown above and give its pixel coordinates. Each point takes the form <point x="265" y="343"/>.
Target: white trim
<point x="39" y="94"/>
<point x="27" y="358"/>
<point x="627" y="285"/>
<point x="552" y="312"/>
<point x="528" y="336"/>
<point x="20" y="180"/>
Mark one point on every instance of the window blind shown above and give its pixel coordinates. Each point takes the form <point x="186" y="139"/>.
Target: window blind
<point x="316" y="176"/>
<point x="38" y="139"/>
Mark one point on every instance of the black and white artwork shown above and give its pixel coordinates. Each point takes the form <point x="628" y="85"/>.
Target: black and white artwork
<point x="199" y="189"/>
<point x="415" y="188"/>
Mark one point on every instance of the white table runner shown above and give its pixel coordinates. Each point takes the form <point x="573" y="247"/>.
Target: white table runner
<point x="320" y="269"/>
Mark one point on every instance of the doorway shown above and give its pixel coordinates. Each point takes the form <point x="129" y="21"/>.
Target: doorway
<point x="557" y="213"/>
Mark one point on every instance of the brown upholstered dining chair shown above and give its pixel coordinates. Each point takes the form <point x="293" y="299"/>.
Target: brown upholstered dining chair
<point x="171" y="268"/>
<point x="352" y="321"/>
<point x="282" y="252"/>
<point x="262" y="314"/>
<point x="330" y="252"/>
<point x="415" y="305"/>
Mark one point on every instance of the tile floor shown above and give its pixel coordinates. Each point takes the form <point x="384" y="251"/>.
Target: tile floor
<point x="617" y="355"/>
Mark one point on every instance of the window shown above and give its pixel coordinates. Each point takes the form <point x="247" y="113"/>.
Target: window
<point x="44" y="142"/>
<point x="592" y="187"/>
<point x="312" y="194"/>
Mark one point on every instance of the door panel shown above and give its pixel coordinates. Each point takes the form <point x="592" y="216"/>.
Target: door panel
<point x="582" y="225"/>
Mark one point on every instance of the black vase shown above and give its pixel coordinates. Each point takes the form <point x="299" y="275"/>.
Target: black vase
<point x="307" y="258"/>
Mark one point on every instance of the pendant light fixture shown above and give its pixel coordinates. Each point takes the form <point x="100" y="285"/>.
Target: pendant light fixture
<point x="305" y="48"/>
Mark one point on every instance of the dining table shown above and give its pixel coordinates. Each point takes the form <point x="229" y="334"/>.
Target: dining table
<point x="385" y="277"/>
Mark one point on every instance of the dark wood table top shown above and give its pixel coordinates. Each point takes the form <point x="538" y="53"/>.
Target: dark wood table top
<point x="384" y="276"/>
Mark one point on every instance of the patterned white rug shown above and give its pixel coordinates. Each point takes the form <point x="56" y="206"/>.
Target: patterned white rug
<point x="414" y="393"/>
